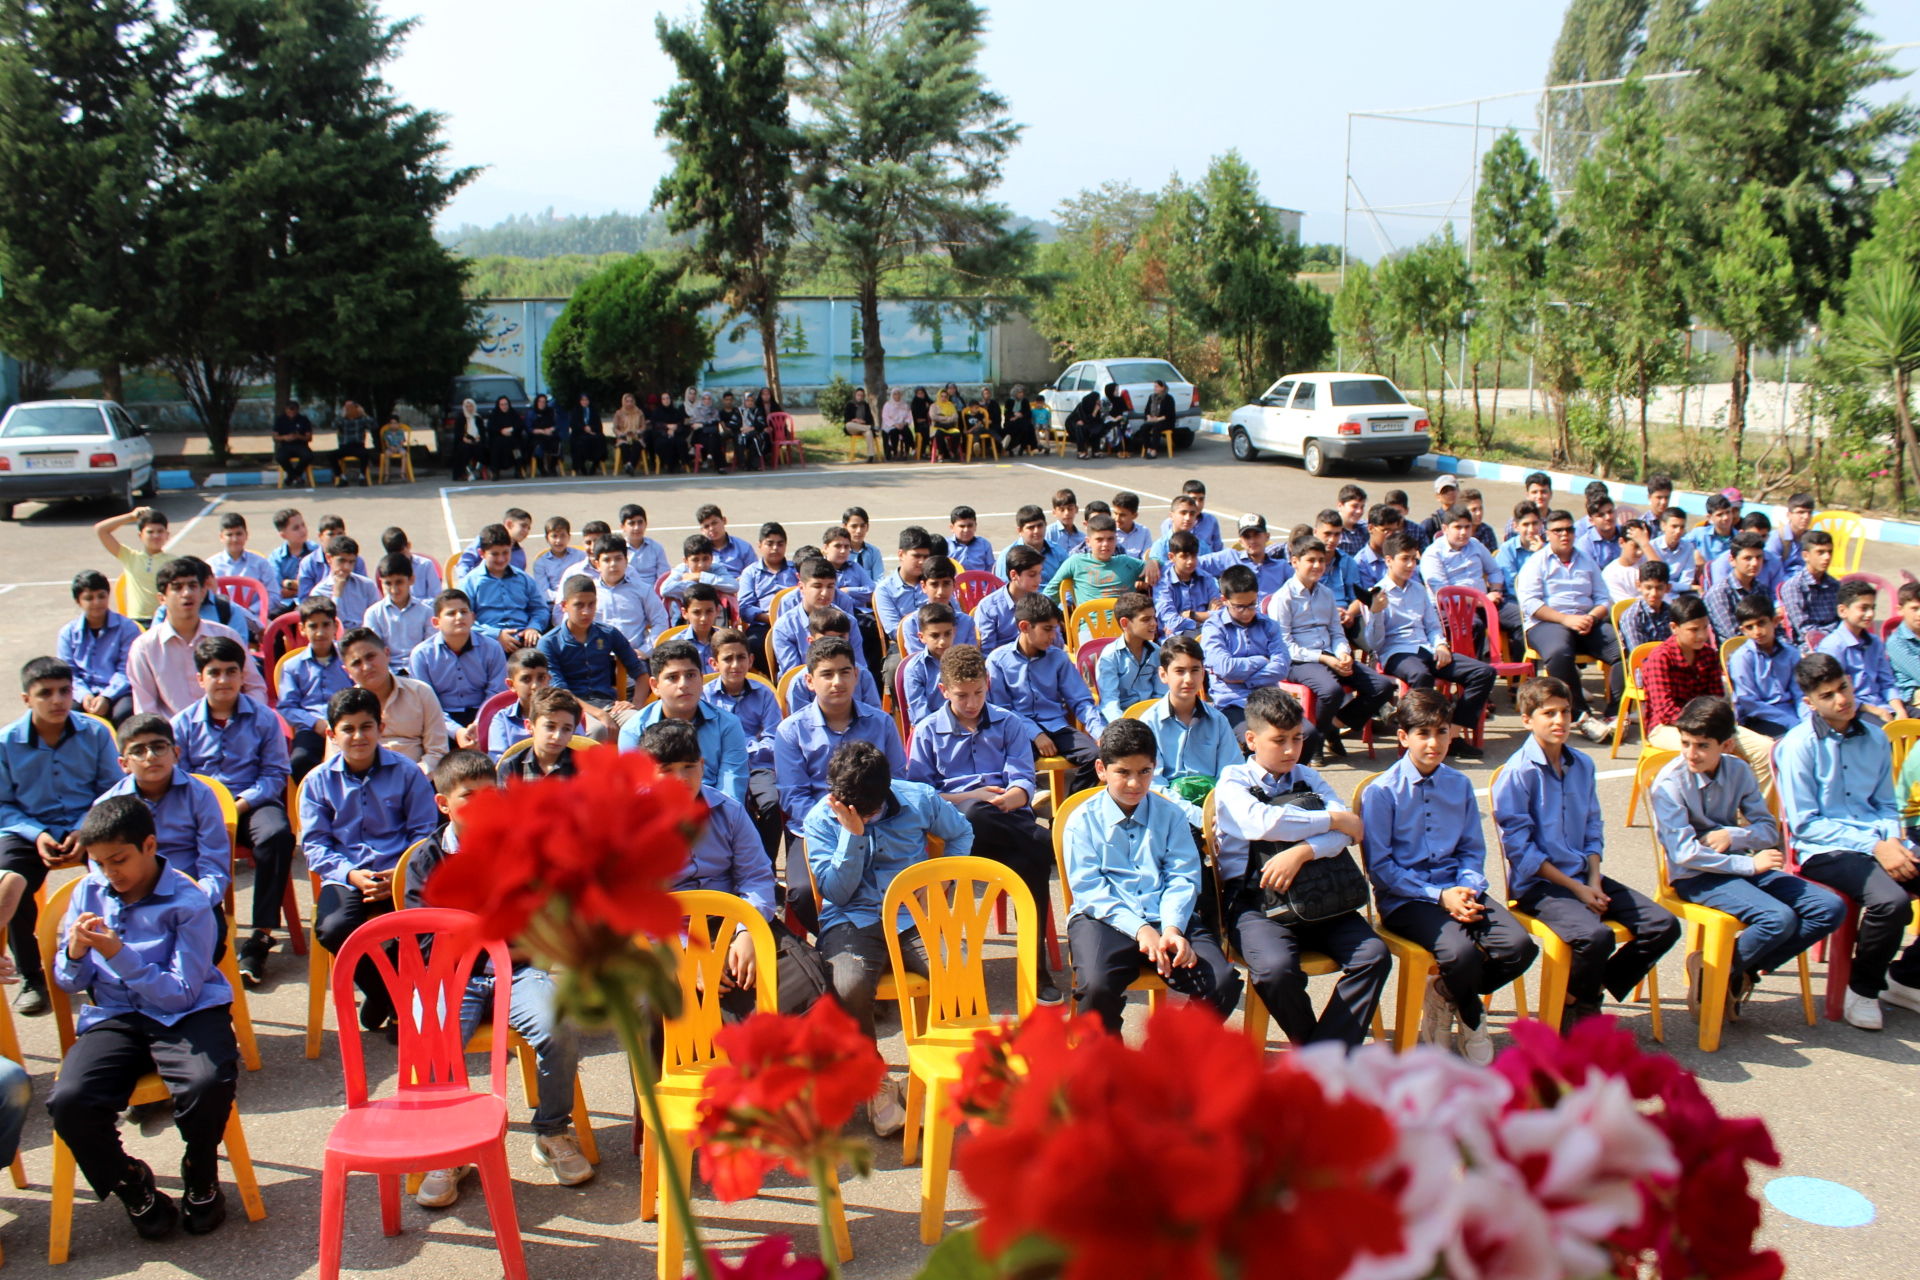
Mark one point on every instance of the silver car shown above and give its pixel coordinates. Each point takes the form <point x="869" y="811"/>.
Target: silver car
<point x="54" y="449"/>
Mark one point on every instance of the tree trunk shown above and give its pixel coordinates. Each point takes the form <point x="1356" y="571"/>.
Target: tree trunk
<point x="873" y="356"/>
<point x="768" y="322"/>
<point x="1479" y="431"/>
<point x="1499" y="372"/>
<point x="1737" y="402"/>
<point x="1909" y="446"/>
<point x="1645" y="391"/>
<point x="283" y="380"/>
<point x="112" y="384"/>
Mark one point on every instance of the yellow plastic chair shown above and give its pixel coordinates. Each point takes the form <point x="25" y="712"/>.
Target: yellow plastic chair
<point x="673" y="633"/>
<point x="401" y="455"/>
<point x="1632" y="698"/>
<point x="1849" y="539"/>
<point x="229" y="962"/>
<point x="781" y="690"/>
<point x="579" y="742"/>
<point x="1140" y="708"/>
<point x="482" y="1042"/>
<point x="1412" y="961"/>
<point x="952" y="901"/>
<point x="689" y="1053"/>
<point x="150" y="1089"/>
<point x="1149" y="981"/>
<point x="773" y="605"/>
<point x="1729" y="647"/>
<point x="450" y="571"/>
<point x="1709" y="931"/>
<point x="754" y="677"/>
<point x="1556" y="957"/>
<point x="1901" y="735"/>
<point x="319" y="959"/>
<point x="1098" y="616"/>
<point x="120" y="595"/>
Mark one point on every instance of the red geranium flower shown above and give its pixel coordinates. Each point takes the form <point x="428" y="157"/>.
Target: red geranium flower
<point x="771" y="1259"/>
<point x="787" y="1087"/>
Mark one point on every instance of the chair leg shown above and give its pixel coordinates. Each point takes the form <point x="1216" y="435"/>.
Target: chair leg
<point x="333" y="1216"/>
<point x="60" y="1224"/>
<point x="933" y="1166"/>
<point x="19" y="1170"/>
<point x="583" y="1124"/>
<point x="1633" y="800"/>
<point x="649" y="1177"/>
<point x="1619" y="732"/>
<point x="1412" y="995"/>
<point x="1520" y="996"/>
<point x="1555" y="968"/>
<point x="1256" y="1020"/>
<point x="389" y="1184"/>
<point x="241" y="1159"/>
<point x="242" y="1013"/>
<point x="497" y="1183"/>
<point x="1806" y="989"/>
<point x="319" y="965"/>
<point x="1840" y="963"/>
<point x="1379" y="1024"/>
<point x="296" y="932"/>
<point x="1653" y="1004"/>
<point x="529" y="1077"/>
<point x="1716" y="964"/>
<point x="672" y="1250"/>
<point x="837" y="1206"/>
<point x="1053" y="939"/>
<point x="916" y="1107"/>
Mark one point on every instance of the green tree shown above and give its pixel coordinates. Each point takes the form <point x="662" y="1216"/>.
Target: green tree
<point x="1605" y="40"/>
<point x="1356" y="320"/>
<point x="1881" y="332"/>
<point x="633" y="327"/>
<point x="86" y="91"/>
<point x="1750" y="293"/>
<point x="1513" y="219"/>
<point x="903" y="142"/>
<point x="1428" y="295"/>
<point x="733" y="148"/>
<point x="1629" y="256"/>
<point x="1895" y="237"/>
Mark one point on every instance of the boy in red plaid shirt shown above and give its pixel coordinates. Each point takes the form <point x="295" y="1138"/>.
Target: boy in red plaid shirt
<point x="1687" y="666"/>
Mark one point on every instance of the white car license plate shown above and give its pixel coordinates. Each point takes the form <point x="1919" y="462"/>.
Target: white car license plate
<point x="50" y="461"/>
<point x="1389" y="424"/>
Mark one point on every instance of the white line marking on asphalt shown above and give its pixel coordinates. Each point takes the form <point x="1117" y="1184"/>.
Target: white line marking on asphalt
<point x="187" y="528"/>
<point x="1093" y="480"/>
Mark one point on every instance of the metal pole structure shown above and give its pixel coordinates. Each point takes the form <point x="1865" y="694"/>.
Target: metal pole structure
<point x="1346" y="205"/>
<point x="1473" y="196"/>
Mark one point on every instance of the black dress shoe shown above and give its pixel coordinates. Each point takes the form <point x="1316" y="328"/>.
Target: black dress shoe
<point x="151" y="1209"/>
<point x="205" y="1206"/>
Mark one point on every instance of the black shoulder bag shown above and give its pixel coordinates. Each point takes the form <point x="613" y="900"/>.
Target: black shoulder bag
<point x="1324" y="888"/>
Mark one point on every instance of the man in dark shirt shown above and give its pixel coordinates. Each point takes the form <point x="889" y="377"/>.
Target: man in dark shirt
<point x="292" y="442"/>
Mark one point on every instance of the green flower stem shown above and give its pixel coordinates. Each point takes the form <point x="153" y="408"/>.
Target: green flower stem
<point x="824" y="1200"/>
<point x="626" y="1024"/>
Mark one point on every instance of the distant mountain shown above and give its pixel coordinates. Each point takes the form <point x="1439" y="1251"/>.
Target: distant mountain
<point x="550" y="235"/>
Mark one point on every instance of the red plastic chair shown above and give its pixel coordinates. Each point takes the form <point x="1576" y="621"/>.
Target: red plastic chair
<point x="1836" y="949"/>
<point x="1456" y="606"/>
<point x="1885" y="592"/>
<point x="483" y="720"/>
<point x="434" y="1119"/>
<point x="282" y="635"/>
<point x="247" y="593"/>
<point x="780" y="427"/>
<point x="973" y="586"/>
<point x="901" y="718"/>
<point x="1087" y="658"/>
<point x="1890" y="626"/>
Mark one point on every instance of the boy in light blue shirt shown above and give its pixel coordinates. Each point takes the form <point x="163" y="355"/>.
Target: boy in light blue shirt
<point x="627" y="601"/>
<point x="1034" y="678"/>
<point x="1858" y="648"/>
<point x="508" y="606"/>
<point x="95" y="645"/>
<point x="233" y="560"/>
<point x="1270" y="570"/>
<point x="186" y="814"/>
<point x="561" y="560"/>
<point x="1765" y="697"/>
<point x="1245" y="650"/>
<point x="679" y="678"/>
<point x="1205" y="527"/>
<point x="1193" y="740"/>
<point x="964" y="545"/>
<point x="1031" y="522"/>
<point x="1319" y="654"/>
<point x="400" y="620"/>
<point x="1184" y="598"/>
<point x="346" y="583"/>
<point x="1128" y="670"/>
<point x="757" y="707"/>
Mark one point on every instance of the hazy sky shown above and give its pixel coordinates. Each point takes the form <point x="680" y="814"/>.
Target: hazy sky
<point x="557" y="100"/>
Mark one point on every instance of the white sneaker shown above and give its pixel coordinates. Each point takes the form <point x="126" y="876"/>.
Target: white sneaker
<point x="441" y="1187"/>
<point x="1863" y="1011"/>
<point x="560" y="1155"/>
<point x="1474" y="1044"/>
<point x="1696" y="967"/>
<point x="888" y="1110"/>
<point x="1901" y="995"/>
<point x="1436" y="1014"/>
<point x="1596" y="728"/>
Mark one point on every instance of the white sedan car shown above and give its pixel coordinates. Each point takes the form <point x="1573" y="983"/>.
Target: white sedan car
<point x="53" y="449"/>
<point x="1324" y="418"/>
<point x="1135" y="376"/>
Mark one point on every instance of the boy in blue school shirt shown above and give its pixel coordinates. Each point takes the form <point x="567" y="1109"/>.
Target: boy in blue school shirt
<point x="765" y="578"/>
<point x="697" y="568"/>
<point x="679" y="678"/>
<point x="1713" y="537"/>
<point x="508" y="605"/>
<point x="1835" y="774"/>
<point x="1740" y="583"/>
<point x="867" y="825"/>
<point x="1519" y="546"/>
<point x="1275" y="801"/>
<point x="901" y="592"/>
<point x="1205" y="526"/>
<point x="1128" y="670"/>
<point x="1406" y="638"/>
<point x="818" y="588"/>
<point x="919" y="675"/>
<point x="1031" y="523"/>
<point x="1772" y="572"/>
<point x="1456" y="559"/>
<point x="806" y="740"/>
<point x="1723" y="851"/>
<point x="560" y="561"/>
<point x="531" y="1007"/>
<point x="237" y="741"/>
<point x="1857" y="646"/>
<point x="1648" y="620"/>
<point x="1271" y="571"/>
<point x="852" y="577"/>
<point x="1245" y="650"/>
<point x="518" y="525"/>
<point x="313" y="566"/>
<point x="359" y="812"/>
<point x="1136" y="539"/>
<point x="1546" y="804"/>
<point x="1035" y="678"/>
<point x="980" y="759"/>
<point x="854" y="520"/>
<point x="1134" y="873"/>
<point x="426" y="571"/>
<point x="627" y="601"/>
<point x="1063" y="535"/>
<point x="757" y="707"/>
<point x="1427" y="860"/>
<point x="1785" y="542"/>
<point x="835" y="622"/>
<point x="583" y="654"/>
<point x="461" y="668"/>
<point x="1185" y="519"/>
<point x="939" y="586"/>
<point x="309" y="677"/>
<point x="964" y="545"/>
<point x="727" y="858"/>
<point x="139" y="939"/>
<point x="53" y="764"/>
<point x="1810" y="596"/>
<point x="1184" y="598"/>
<point x="400" y="620"/>
<point x="731" y="554"/>
<point x="186" y="813"/>
<point x="993" y="618"/>
<point x="1320" y="656"/>
<point x="95" y="646"/>
<point x="233" y="560"/>
<point x="1903" y="644"/>
<point x="647" y="560"/>
<point x="1192" y="739"/>
<point x="286" y="559"/>
<point x="528" y="672"/>
<point x="1760" y="673"/>
<point x="1567" y="609"/>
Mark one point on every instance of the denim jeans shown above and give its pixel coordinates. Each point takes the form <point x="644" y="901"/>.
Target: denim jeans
<point x="556" y="1044"/>
<point x="1784" y="914"/>
<point x="16" y="1095"/>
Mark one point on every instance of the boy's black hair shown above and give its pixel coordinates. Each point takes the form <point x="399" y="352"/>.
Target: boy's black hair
<point x="1536" y="692"/>
<point x="232" y="520"/>
<point x="1098" y="507"/>
<point x="152" y="515"/>
<point x="1817" y="669"/>
<point x="283" y="517"/>
<point x="1687" y="608"/>
<point x="461" y="767"/>
<point x="551" y="701"/>
<point x="961" y="513"/>
<point x="1308" y="546"/>
<point x="395" y="565"/>
<point x="1746" y="540"/>
<point x="1382" y="514"/>
<point x="593" y="530"/>
<point x="828" y="620"/>
<point x="1673" y="513"/>
<point x="395" y="541"/>
<point x="1757" y="522"/>
<point x="671" y="742"/>
<point x="146" y="725"/>
<point x="316" y="606"/>
<point x="1126" y="500"/>
<point x="610" y="542"/>
<point x="676" y="651"/>
<point x="853" y="512"/>
<point x="1598" y="502"/>
<point x="38" y="669"/>
<point x="821" y="650"/>
<point x="1183" y="542"/>
<point x="1472" y="495"/>
<point x="1348" y="492"/>
<point x="939" y="569"/>
<point x="1523" y="509"/>
<point x="1029" y="514"/>
<point x="696" y="544"/>
<point x="860" y="776"/>
<point x="90" y="580"/>
<point x="1556" y="515"/>
<point x="452" y="595"/>
<point x="1125" y="738"/>
<point x="1908" y="593"/>
<point x="1099" y="522"/>
<point x="1036" y="609"/>
<point x="361" y="635"/>
<point x="528" y="658"/>
<point x="1595" y="488"/>
<point x="816" y="570"/>
<point x="1659" y="482"/>
<point x="331" y="522"/>
<point x="516" y="513"/>
<point x="1801" y="502"/>
<point x="1064" y="498"/>
<point x="1195" y="485"/>
<point x="1639" y="523"/>
<point x="1754" y="607"/>
<point x="1236" y="579"/>
<point x="1181" y="647"/>
<point x="631" y="510"/>
<point x="183" y="569"/>
<point x="495" y="535"/>
<point x="808" y="552"/>
<point x="557" y="522"/>
<point x="1654" y="569"/>
<point x="1271" y="708"/>
<point x="1021" y="557"/>
<point x="1422" y="709"/>
<point x="772" y="529"/>
<point x="1459" y="512"/>
<point x="1717" y="502"/>
<point x="724" y="636"/>
<point x="1131" y="604"/>
<point x="935" y="613"/>
<point x="707" y="511"/>
<point x="1397" y="498"/>
<point x="214" y="649"/>
<point x="837" y="533"/>
<point x="1815" y="538"/>
<point x="1396" y="543"/>
<point x="577" y="584"/>
<point x="1851" y="591"/>
<point x="914" y="538"/>
<point x="123" y="819"/>
<point x="703" y="593"/>
<point x="1707" y="717"/>
<point x="1328" y="516"/>
<point x="1537" y="477"/>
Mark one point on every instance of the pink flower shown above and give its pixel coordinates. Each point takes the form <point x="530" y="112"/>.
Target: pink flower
<point x="771" y="1259"/>
<point x="1503" y="1235"/>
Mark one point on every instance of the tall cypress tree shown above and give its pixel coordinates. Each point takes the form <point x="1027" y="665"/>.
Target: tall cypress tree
<point x="1513" y="220"/>
<point x="733" y="147"/>
<point x="85" y="91"/>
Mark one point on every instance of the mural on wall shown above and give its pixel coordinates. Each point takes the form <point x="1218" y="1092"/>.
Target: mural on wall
<point x="511" y="334"/>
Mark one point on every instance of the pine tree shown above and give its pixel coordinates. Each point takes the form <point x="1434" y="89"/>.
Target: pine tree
<point x="1513" y="219"/>
<point x="1881" y="332"/>
<point x="632" y="328"/>
<point x="1605" y="40"/>
<point x="733" y="149"/>
<point x="1895" y="237"/>
<point x="86" y="88"/>
<point x="1356" y="320"/>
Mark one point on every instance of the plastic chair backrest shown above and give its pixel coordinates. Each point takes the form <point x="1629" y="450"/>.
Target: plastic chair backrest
<point x="450" y="571"/>
<point x="247" y="593"/>
<point x="672" y="633"/>
<point x="120" y="594"/>
<point x="780" y="427"/>
<point x="483" y="719"/>
<point x="1059" y="834"/>
<point x="902" y="715"/>
<point x="283" y="635"/>
<point x="786" y="682"/>
<point x="773" y="605"/>
<point x="1619" y="611"/>
<point x="47" y="933"/>
<point x="1360" y="848"/>
<point x="951" y="900"/>
<point x="273" y="678"/>
<point x="1097" y="614"/>
<point x="1087" y="659"/>
<point x="1849" y="541"/>
<point x="1140" y="708"/>
<point x="1457" y="607"/>
<point x="578" y="742"/>
<point x="1638" y="656"/>
<point x="427" y="991"/>
<point x="1728" y="648"/>
<point x="700" y="958"/>
<point x="973" y="586"/>
<point x="1890" y="626"/>
<point x="1652" y="761"/>
<point x="229" y="811"/>
<point x="1901" y="735"/>
<point x="400" y="874"/>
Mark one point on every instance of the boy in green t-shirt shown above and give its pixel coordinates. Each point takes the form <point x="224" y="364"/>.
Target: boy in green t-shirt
<point x="1099" y="570"/>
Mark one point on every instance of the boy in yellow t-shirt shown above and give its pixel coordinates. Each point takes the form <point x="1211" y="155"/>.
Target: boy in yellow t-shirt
<point x="141" y="563"/>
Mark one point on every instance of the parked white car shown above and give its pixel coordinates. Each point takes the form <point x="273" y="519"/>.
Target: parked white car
<point x="53" y="449"/>
<point x="1324" y="418"/>
<point x="1135" y="376"/>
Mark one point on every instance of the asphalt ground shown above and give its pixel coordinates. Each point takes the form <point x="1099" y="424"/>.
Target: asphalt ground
<point x="1833" y="1096"/>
